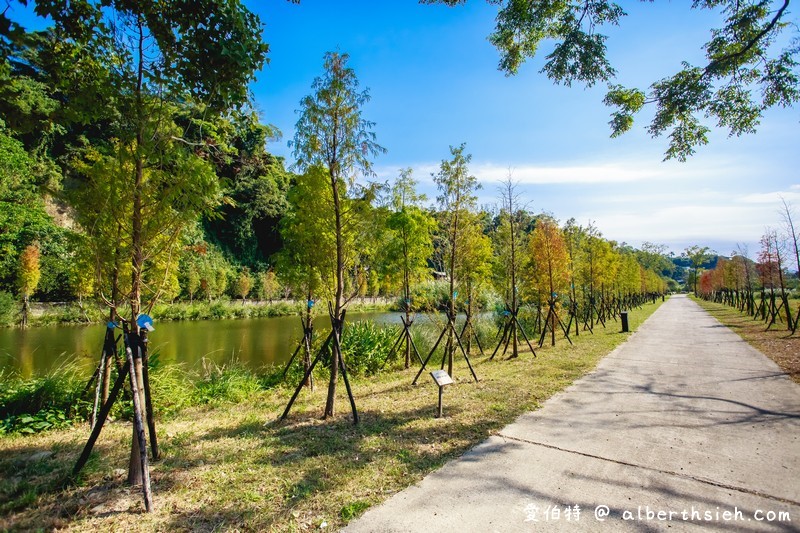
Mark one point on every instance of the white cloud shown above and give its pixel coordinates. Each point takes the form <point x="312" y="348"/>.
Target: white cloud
<point x="589" y="173"/>
<point x="773" y="198"/>
<point x="718" y="201"/>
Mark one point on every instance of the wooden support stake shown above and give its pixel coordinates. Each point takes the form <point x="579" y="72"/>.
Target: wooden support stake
<point x="138" y="427"/>
<point x="148" y="400"/>
<point x="101" y="419"/>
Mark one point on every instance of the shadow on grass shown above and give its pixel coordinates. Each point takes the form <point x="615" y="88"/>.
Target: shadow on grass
<point x="311" y="451"/>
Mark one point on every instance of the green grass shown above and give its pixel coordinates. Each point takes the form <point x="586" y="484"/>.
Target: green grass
<point x="232" y="465"/>
<point x="49" y="402"/>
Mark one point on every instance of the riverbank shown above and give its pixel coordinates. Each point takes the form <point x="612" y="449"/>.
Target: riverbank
<point x="231" y="465"/>
<point x="64" y="313"/>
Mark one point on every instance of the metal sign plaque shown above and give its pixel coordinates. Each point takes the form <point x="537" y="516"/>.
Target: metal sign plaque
<point x="441" y="378"/>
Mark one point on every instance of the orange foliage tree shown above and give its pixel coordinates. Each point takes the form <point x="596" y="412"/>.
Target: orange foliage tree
<point x="28" y="277"/>
<point x="549" y="265"/>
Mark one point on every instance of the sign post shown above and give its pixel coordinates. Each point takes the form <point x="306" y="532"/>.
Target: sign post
<point x="442" y="379"/>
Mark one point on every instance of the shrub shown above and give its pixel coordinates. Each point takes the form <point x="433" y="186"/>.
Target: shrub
<point x="429" y="296"/>
<point x="217" y="310"/>
<point x="227" y="383"/>
<point x="8" y="309"/>
<point x="41" y="403"/>
<point x="366" y="347"/>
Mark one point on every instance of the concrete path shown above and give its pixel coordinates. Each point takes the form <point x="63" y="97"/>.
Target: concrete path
<point x="684" y="427"/>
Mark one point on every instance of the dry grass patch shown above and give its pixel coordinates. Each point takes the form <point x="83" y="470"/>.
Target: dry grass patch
<point x="233" y="466"/>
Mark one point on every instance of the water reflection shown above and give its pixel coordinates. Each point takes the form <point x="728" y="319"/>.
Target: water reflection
<point x="254" y="342"/>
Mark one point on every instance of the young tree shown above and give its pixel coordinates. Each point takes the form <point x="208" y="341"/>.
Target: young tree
<point x="244" y="283"/>
<point x="771" y="262"/>
<point x="28" y="277"/>
<point x="409" y="241"/>
<point x="473" y="268"/>
<point x="595" y="252"/>
<point x="549" y="266"/>
<point x="456" y="200"/>
<point x="155" y="101"/>
<point x="269" y="287"/>
<point x="333" y="136"/>
<point x="509" y="240"/>
<point x="697" y="256"/>
<point x="83" y="278"/>
<point x="192" y="281"/>
<point x="654" y="257"/>
<point x="792" y="233"/>
<point x="574" y="237"/>
<point x="744" y="73"/>
<point x="629" y="274"/>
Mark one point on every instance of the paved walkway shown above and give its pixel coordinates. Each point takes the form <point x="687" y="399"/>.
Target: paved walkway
<point x="684" y="418"/>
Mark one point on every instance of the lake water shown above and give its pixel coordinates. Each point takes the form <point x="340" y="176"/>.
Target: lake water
<point x="254" y="342"/>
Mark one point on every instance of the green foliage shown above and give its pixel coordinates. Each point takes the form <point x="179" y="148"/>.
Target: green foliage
<point x="24" y="220"/>
<point x="331" y="132"/>
<point x="456" y="201"/>
<point x="16" y="167"/>
<point x="227" y="383"/>
<point x="697" y="256"/>
<point x="162" y="82"/>
<point x="408" y="242"/>
<point x="430" y="295"/>
<point x="49" y="402"/>
<point x="268" y="286"/>
<point x="509" y="242"/>
<point x="8" y="309"/>
<point x="366" y="347"/>
<point x="255" y="186"/>
<point x="628" y="102"/>
<point x="23" y="223"/>
<point x="244" y="283"/>
<point x="307" y="260"/>
<point x="353" y="509"/>
<point x="171" y="198"/>
<point x="58" y="399"/>
<point x="221" y="310"/>
<point x="333" y="139"/>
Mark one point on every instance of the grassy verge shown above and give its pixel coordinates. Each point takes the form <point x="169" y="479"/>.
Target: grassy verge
<point x="776" y="343"/>
<point x="231" y="465"/>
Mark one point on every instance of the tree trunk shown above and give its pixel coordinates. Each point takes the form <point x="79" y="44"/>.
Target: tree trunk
<point x="468" y="323"/>
<point x="514" y="326"/>
<point x="307" y="344"/>
<point x="137" y="259"/>
<point x="451" y="312"/>
<point x="337" y="310"/>
<point x="407" y="295"/>
<point x="25" y="310"/>
<point x="135" y="474"/>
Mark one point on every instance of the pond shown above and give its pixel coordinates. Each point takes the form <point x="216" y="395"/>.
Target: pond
<point x="254" y="342"/>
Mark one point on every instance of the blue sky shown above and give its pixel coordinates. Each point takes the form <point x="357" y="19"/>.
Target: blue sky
<point x="434" y="82"/>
